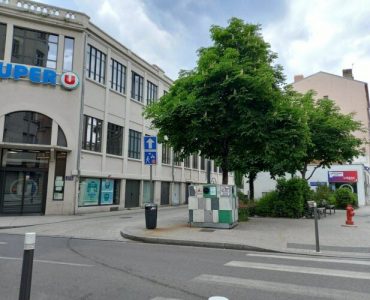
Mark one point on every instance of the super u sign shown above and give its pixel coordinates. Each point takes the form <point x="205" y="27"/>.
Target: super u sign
<point x="69" y="80"/>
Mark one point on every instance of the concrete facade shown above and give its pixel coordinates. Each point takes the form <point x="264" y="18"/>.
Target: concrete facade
<point x="68" y="108"/>
<point x="350" y="95"/>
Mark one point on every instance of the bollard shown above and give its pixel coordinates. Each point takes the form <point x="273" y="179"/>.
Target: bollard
<point x="29" y="247"/>
<point x="316" y="228"/>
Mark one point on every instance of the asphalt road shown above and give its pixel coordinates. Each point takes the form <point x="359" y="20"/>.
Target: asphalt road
<point x="69" y="268"/>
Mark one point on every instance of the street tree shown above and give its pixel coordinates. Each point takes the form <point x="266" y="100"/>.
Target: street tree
<point x="332" y="135"/>
<point x="286" y="137"/>
<point x="221" y="104"/>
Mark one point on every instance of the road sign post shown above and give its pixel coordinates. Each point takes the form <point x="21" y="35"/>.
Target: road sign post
<point x="150" y="158"/>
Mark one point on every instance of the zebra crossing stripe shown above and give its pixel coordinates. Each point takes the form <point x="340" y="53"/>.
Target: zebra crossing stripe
<point x="161" y="298"/>
<point x="317" y="259"/>
<point x="299" y="269"/>
<point x="284" y="288"/>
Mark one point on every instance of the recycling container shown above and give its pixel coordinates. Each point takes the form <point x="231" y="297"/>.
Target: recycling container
<point x="151" y="215"/>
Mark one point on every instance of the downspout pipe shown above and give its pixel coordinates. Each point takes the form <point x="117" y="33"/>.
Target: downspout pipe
<point x="80" y="131"/>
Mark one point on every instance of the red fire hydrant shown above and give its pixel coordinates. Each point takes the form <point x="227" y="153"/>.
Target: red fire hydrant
<point x="350" y="214"/>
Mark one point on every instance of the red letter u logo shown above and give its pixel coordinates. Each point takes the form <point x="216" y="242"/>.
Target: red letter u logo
<point x="70" y="79"/>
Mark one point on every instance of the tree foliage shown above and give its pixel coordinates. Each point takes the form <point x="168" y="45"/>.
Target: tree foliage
<point x="332" y="138"/>
<point x="220" y="105"/>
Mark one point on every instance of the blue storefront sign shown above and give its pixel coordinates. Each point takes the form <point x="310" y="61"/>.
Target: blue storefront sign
<point x="68" y="80"/>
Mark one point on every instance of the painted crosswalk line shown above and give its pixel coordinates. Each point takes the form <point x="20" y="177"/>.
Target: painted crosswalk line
<point x="315" y="259"/>
<point x="283" y="288"/>
<point x="161" y="298"/>
<point x="299" y="269"/>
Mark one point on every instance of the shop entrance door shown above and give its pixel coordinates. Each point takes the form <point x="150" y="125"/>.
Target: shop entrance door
<point x="23" y="191"/>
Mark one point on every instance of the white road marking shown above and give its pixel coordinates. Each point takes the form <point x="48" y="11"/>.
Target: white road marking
<point x="161" y="298"/>
<point x="330" y="260"/>
<point x="48" y="262"/>
<point x="299" y="269"/>
<point x="284" y="288"/>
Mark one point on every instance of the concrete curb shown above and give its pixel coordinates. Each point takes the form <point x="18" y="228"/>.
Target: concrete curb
<point x="216" y="245"/>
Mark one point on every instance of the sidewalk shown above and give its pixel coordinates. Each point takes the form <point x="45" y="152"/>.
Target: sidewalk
<point x="265" y="234"/>
<point x="260" y="234"/>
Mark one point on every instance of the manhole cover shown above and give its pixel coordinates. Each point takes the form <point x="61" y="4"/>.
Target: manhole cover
<point x="207" y="230"/>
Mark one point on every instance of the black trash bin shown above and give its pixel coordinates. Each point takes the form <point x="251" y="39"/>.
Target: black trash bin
<point x="151" y="215"/>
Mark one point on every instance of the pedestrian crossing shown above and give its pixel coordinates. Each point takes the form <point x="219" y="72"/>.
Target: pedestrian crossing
<point x="335" y="279"/>
<point x="283" y="288"/>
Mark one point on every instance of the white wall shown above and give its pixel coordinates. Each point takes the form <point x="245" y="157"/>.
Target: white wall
<point x="264" y="183"/>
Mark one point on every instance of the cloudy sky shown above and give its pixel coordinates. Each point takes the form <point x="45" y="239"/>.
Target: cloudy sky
<point x="308" y="36"/>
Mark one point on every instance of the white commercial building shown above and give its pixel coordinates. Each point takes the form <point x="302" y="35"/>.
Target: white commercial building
<point x="71" y="123"/>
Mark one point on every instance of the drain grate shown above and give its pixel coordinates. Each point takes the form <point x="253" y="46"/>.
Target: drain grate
<point x="207" y="230"/>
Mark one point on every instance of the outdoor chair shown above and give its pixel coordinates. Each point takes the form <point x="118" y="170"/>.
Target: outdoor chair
<point x="328" y="206"/>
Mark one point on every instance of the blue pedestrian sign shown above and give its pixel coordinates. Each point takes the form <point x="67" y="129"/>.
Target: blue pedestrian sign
<point x="150" y="143"/>
<point x="150" y="158"/>
<point x="150" y="150"/>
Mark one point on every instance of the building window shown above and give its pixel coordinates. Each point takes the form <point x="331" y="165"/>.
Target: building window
<point x="137" y="88"/>
<point x="187" y="162"/>
<point x="195" y="161"/>
<point x="27" y="127"/>
<point x="176" y="159"/>
<point x="96" y="191"/>
<point x="151" y="93"/>
<point x="134" y="144"/>
<point x="96" y="64"/>
<point x="214" y="167"/>
<point x="92" y="134"/>
<point x="118" y="79"/>
<point x="2" y="40"/>
<point x="61" y="140"/>
<point x="114" y="139"/>
<point x="68" y="54"/>
<point x="31" y="47"/>
<point x="202" y="163"/>
<point x="166" y="154"/>
<point x="60" y="172"/>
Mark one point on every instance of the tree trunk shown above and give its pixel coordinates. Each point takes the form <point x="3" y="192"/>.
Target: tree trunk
<point x="303" y="172"/>
<point x="251" y="178"/>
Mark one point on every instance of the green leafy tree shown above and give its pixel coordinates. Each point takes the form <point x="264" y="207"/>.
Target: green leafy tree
<point x="286" y="136"/>
<point x="221" y="104"/>
<point x="332" y="138"/>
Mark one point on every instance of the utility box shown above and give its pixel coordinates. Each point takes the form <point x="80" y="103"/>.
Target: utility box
<point x="213" y="205"/>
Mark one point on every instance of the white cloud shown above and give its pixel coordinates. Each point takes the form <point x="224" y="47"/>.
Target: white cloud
<point x="323" y="36"/>
<point x="310" y="36"/>
<point x="129" y="23"/>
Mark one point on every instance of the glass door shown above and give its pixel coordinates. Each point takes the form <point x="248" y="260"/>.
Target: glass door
<point x="34" y="191"/>
<point x="12" y="192"/>
<point x="23" y="192"/>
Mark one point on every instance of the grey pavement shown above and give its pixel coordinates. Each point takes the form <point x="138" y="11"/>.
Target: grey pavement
<point x="261" y="234"/>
